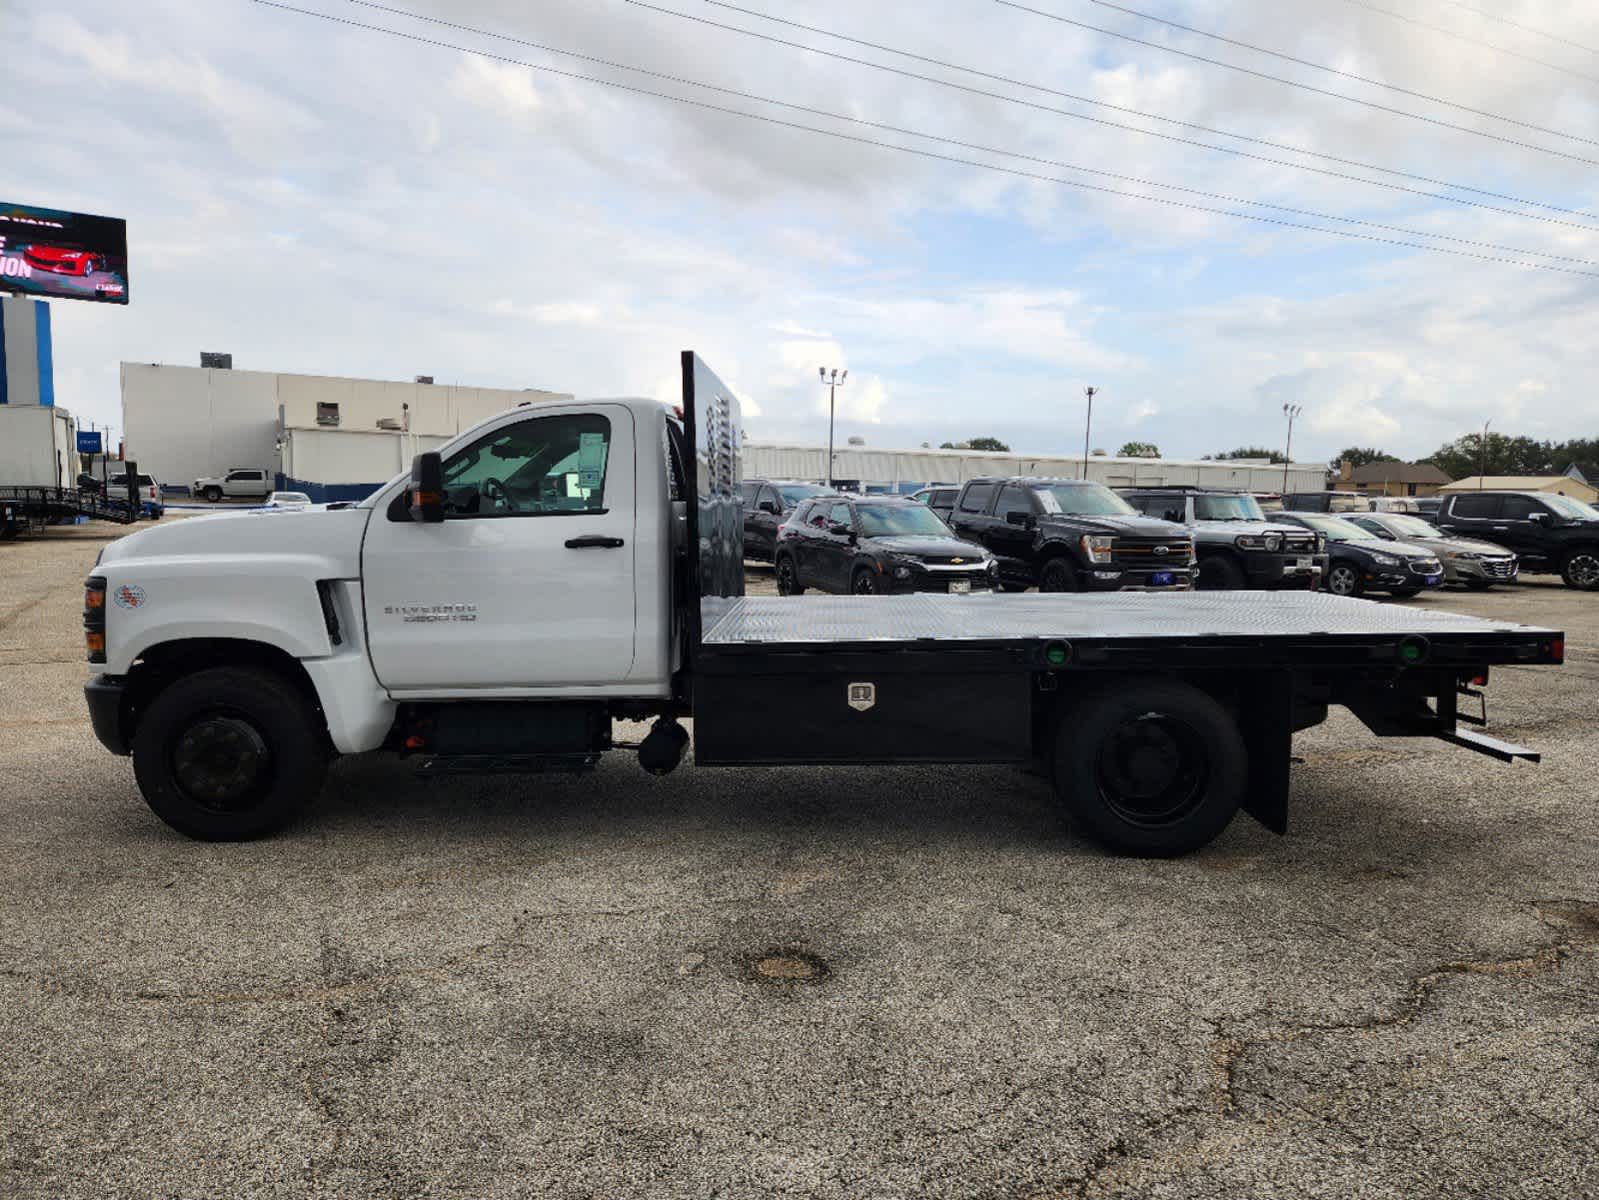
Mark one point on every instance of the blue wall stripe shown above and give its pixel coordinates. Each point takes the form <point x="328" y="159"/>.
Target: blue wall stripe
<point x="5" y="388"/>
<point x="41" y="333"/>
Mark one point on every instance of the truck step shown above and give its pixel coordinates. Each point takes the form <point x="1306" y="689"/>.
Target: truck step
<point x="506" y="764"/>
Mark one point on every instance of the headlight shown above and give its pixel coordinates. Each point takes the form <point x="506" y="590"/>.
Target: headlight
<point x="1274" y="542"/>
<point x="1385" y="560"/>
<point x="1097" y="547"/>
<point x="902" y="572"/>
<point x="1462" y="555"/>
<point x="1249" y="541"/>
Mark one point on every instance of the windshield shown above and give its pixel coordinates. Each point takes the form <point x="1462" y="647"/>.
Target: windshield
<point x="1083" y="500"/>
<point x="1337" y="529"/>
<point x="1574" y="510"/>
<point x="1413" y="527"/>
<point x="1227" y="508"/>
<point x="793" y="493"/>
<point x="900" y="520"/>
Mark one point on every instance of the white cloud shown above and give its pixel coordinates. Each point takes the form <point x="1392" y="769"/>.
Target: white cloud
<point x="505" y="88"/>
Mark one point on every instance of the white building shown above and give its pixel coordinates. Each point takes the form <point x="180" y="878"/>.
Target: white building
<point x="333" y="437"/>
<point x="907" y="470"/>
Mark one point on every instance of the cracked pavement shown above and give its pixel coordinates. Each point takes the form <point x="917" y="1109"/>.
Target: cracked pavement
<point x="541" y="987"/>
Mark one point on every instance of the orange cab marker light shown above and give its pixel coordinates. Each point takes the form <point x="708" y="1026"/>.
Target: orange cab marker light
<point x="93" y="598"/>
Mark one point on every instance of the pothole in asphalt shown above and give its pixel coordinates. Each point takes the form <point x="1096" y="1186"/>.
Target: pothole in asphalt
<point x="787" y="967"/>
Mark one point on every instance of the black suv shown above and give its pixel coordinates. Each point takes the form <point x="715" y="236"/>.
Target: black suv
<point x="1069" y="535"/>
<point x="767" y="504"/>
<point x="1238" y="546"/>
<point x="875" y="545"/>
<point x="1549" y="533"/>
<point x="1359" y="561"/>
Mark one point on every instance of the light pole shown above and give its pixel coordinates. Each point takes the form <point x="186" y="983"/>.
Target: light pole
<point x="831" y="383"/>
<point x="1088" y="424"/>
<point x="1482" y="454"/>
<point x="1290" y="411"/>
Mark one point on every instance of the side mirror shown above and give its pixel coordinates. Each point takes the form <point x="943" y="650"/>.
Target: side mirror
<point x="1538" y="516"/>
<point x="427" y="488"/>
<point x="1019" y="518"/>
<point x="769" y="506"/>
<point x="839" y="529"/>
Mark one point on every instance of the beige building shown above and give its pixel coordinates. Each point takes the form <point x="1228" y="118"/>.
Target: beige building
<point x="1561" y="485"/>
<point x="1391" y="479"/>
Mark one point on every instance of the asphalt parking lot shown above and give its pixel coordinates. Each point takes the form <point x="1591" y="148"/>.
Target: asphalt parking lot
<point x="832" y="983"/>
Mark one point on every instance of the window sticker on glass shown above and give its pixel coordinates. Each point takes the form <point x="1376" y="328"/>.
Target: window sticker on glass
<point x="590" y="459"/>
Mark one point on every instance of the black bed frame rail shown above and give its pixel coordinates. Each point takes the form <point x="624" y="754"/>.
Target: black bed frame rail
<point x="42" y="503"/>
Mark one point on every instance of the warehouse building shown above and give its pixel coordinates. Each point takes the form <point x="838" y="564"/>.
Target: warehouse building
<point x="331" y="437"/>
<point x="906" y="470"/>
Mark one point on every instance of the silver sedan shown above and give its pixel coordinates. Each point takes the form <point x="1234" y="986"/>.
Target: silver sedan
<point x="1467" y="561"/>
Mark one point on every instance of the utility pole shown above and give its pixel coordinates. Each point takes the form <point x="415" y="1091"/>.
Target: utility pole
<point x="1088" y="424"/>
<point x="1482" y="454"/>
<point x="831" y="383"/>
<point x="1290" y="411"/>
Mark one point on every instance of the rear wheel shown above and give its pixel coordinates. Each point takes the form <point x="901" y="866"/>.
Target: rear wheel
<point x="1151" y="768"/>
<point x="788" y="583"/>
<point x="1058" y="575"/>
<point x="1343" y="580"/>
<point x="1581" y="570"/>
<point x="229" y="754"/>
<point x="1219" y="573"/>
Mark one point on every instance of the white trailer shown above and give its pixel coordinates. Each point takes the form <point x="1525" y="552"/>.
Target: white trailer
<point x="38" y="446"/>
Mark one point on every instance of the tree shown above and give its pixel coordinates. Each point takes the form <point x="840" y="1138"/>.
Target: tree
<point x="1247" y="452"/>
<point x="1138" y="450"/>
<point x="1359" y="456"/>
<point x="993" y="445"/>
<point x="1501" y="455"/>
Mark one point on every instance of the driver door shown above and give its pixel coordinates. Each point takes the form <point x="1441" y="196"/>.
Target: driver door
<point x="528" y="583"/>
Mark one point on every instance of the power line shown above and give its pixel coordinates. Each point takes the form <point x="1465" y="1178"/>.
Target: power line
<point x="1306" y="87"/>
<point x="1351" y="75"/>
<point x="1471" y="41"/>
<point x="1119" y="108"/>
<point x="1035" y="159"/>
<point x="1488" y="16"/>
<point x="927" y="154"/>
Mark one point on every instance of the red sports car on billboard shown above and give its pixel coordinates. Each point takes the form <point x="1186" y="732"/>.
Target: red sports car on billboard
<point x="62" y="260"/>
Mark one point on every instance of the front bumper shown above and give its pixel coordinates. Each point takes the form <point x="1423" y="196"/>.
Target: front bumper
<point x="1113" y="577"/>
<point x="104" y="695"/>
<point x="937" y="581"/>
<point x="1457" y="570"/>
<point x="1285" y="571"/>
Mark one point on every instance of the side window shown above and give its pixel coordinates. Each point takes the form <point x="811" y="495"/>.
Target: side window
<point x="770" y="498"/>
<point x="945" y="498"/>
<point x="840" y="515"/>
<point x="976" y="497"/>
<point x="747" y="493"/>
<point x="1519" y="508"/>
<point x="818" y="515"/>
<point x="545" y="466"/>
<point x="1012" y="500"/>
<point x="1475" y="508"/>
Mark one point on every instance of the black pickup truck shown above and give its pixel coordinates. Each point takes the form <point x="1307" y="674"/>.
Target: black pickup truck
<point x="1549" y="533"/>
<point x="1069" y="535"/>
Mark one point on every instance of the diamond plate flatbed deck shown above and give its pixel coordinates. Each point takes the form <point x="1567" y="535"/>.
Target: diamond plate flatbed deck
<point x="773" y="621"/>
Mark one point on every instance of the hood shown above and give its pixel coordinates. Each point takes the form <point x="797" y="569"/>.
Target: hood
<point x="1130" y="526"/>
<point x="1463" y="545"/>
<point x="1397" y="549"/>
<point x="322" y="532"/>
<point x="924" y="547"/>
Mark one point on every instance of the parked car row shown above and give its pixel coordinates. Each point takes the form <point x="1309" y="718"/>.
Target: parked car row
<point x="1012" y="533"/>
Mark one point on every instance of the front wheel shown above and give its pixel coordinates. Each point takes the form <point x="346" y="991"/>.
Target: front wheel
<point x="1343" y="580"/>
<point x="1152" y="768"/>
<point x="229" y="754"/>
<point x="213" y="494"/>
<point x="1581" y="570"/>
<point x="1219" y="573"/>
<point x="865" y="582"/>
<point x="1058" y="575"/>
<point x="1012" y="587"/>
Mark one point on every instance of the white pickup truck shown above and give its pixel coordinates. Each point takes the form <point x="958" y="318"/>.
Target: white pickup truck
<point x="566" y="565"/>
<point x="246" y="483"/>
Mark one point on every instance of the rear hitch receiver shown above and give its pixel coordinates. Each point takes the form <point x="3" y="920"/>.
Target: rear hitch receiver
<point x="662" y="748"/>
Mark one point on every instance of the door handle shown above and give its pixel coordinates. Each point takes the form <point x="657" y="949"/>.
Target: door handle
<point x="593" y="541"/>
<point x="1500" y="528"/>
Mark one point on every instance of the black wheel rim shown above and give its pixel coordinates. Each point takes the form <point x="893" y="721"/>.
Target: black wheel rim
<point x="1152" y="770"/>
<point x="1584" y="570"/>
<point x="785" y="578"/>
<point x="1341" y="581"/>
<point x="221" y="762"/>
<point x="863" y="584"/>
<point x="1053" y="579"/>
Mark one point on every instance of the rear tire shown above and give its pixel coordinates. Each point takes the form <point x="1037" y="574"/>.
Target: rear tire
<point x="1058" y="575"/>
<point x="229" y="754"/>
<point x="1581" y="570"/>
<point x="1219" y="573"/>
<point x="1150" y="768"/>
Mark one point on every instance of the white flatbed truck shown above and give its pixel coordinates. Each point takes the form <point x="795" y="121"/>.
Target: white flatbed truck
<point x="563" y="566"/>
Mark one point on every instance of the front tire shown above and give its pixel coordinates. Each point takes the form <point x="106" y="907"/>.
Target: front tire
<point x="865" y="582"/>
<point x="1219" y="573"/>
<point x="229" y="754"/>
<point x="1581" y="570"/>
<point x="213" y="494"/>
<point x="788" y="583"/>
<point x="1344" y="580"/>
<point x="1152" y="768"/>
<point x="1058" y="575"/>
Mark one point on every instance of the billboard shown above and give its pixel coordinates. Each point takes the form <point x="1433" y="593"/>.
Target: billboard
<point x="91" y="442"/>
<point x="46" y="252"/>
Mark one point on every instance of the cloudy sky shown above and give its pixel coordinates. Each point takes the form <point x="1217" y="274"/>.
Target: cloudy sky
<point x="320" y="197"/>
